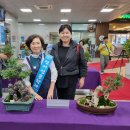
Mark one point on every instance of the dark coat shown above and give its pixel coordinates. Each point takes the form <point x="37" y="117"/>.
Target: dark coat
<point x="75" y="62"/>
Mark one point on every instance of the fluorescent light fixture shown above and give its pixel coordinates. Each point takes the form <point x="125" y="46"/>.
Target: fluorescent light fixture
<point x="92" y="20"/>
<point x="41" y="24"/>
<point x="107" y="10"/>
<point x="65" y="10"/>
<point x="36" y="20"/>
<point x="26" y="10"/>
<point x="20" y="23"/>
<point x="8" y="19"/>
<point x="64" y="20"/>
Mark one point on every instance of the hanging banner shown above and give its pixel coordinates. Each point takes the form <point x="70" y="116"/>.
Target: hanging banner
<point x="2" y="34"/>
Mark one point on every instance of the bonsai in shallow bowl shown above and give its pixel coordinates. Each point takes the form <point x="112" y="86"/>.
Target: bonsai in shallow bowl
<point x="98" y="101"/>
<point x="18" y="97"/>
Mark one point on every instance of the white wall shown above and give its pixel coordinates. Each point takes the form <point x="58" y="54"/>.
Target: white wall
<point x="26" y="29"/>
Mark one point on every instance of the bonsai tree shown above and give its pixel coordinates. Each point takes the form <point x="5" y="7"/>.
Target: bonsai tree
<point x="17" y="91"/>
<point x="7" y="50"/>
<point x="126" y="47"/>
<point x="100" y="96"/>
<point x="14" y="69"/>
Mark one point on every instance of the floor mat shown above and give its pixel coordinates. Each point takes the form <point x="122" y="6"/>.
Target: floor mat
<point x="111" y="65"/>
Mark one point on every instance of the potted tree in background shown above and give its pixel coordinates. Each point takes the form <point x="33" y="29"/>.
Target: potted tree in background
<point x="87" y="42"/>
<point x="86" y="45"/>
<point x="126" y="47"/>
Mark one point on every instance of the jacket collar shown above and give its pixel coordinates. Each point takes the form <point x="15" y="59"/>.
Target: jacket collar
<point x="72" y="43"/>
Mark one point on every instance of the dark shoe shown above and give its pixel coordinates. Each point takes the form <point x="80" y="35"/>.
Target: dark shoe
<point x="102" y="72"/>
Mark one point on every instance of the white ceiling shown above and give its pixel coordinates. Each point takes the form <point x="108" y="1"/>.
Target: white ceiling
<point x="82" y="10"/>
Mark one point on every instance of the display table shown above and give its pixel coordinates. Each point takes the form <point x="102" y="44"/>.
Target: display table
<point x="92" y="80"/>
<point x="42" y="118"/>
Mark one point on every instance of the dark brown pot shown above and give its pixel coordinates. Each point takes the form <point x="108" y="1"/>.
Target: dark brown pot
<point x="93" y="110"/>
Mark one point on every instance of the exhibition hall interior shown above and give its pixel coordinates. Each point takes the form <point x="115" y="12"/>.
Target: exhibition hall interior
<point x="64" y="64"/>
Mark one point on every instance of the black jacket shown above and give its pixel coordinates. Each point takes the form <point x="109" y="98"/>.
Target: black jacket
<point x="75" y="63"/>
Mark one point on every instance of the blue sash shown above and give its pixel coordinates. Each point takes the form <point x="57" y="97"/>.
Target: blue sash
<point x="42" y="72"/>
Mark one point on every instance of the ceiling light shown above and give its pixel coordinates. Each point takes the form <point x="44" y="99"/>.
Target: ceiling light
<point x="65" y="10"/>
<point x="26" y="10"/>
<point x="92" y="20"/>
<point x="8" y="19"/>
<point x="36" y="20"/>
<point x="107" y="10"/>
<point x="41" y="24"/>
<point x="64" y="20"/>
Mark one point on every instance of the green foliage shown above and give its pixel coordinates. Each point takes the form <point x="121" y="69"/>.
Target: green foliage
<point x="111" y="103"/>
<point x="87" y="41"/>
<point x="87" y="56"/>
<point x="8" y="73"/>
<point x="113" y="83"/>
<point x="14" y="69"/>
<point x="11" y="62"/>
<point x="105" y="102"/>
<point x="8" y="98"/>
<point x="82" y="100"/>
<point x="7" y="49"/>
<point x="126" y="47"/>
<point x="26" y="51"/>
<point x="24" y="74"/>
<point x="102" y="101"/>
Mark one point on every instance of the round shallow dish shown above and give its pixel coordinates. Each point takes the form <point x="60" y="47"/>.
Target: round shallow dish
<point x="93" y="110"/>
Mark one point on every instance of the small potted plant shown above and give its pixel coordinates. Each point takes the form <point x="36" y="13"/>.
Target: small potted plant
<point x="87" y="55"/>
<point x="26" y="51"/>
<point x="98" y="101"/>
<point x="126" y="47"/>
<point x="87" y="42"/>
<point x="18" y="93"/>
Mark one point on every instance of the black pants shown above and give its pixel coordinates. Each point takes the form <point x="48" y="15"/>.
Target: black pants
<point x="66" y="86"/>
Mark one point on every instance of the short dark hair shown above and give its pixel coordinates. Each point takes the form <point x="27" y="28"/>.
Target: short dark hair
<point x="105" y="38"/>
<point x="62" y="27"/>
<point x="82" y="42"/>
<point x="30" y="39"/>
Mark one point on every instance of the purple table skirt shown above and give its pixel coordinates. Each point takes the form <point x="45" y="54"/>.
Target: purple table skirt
<point x="92" y="80"/>
<point x="5" y="82"/>
<point x="42" y="118"/>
